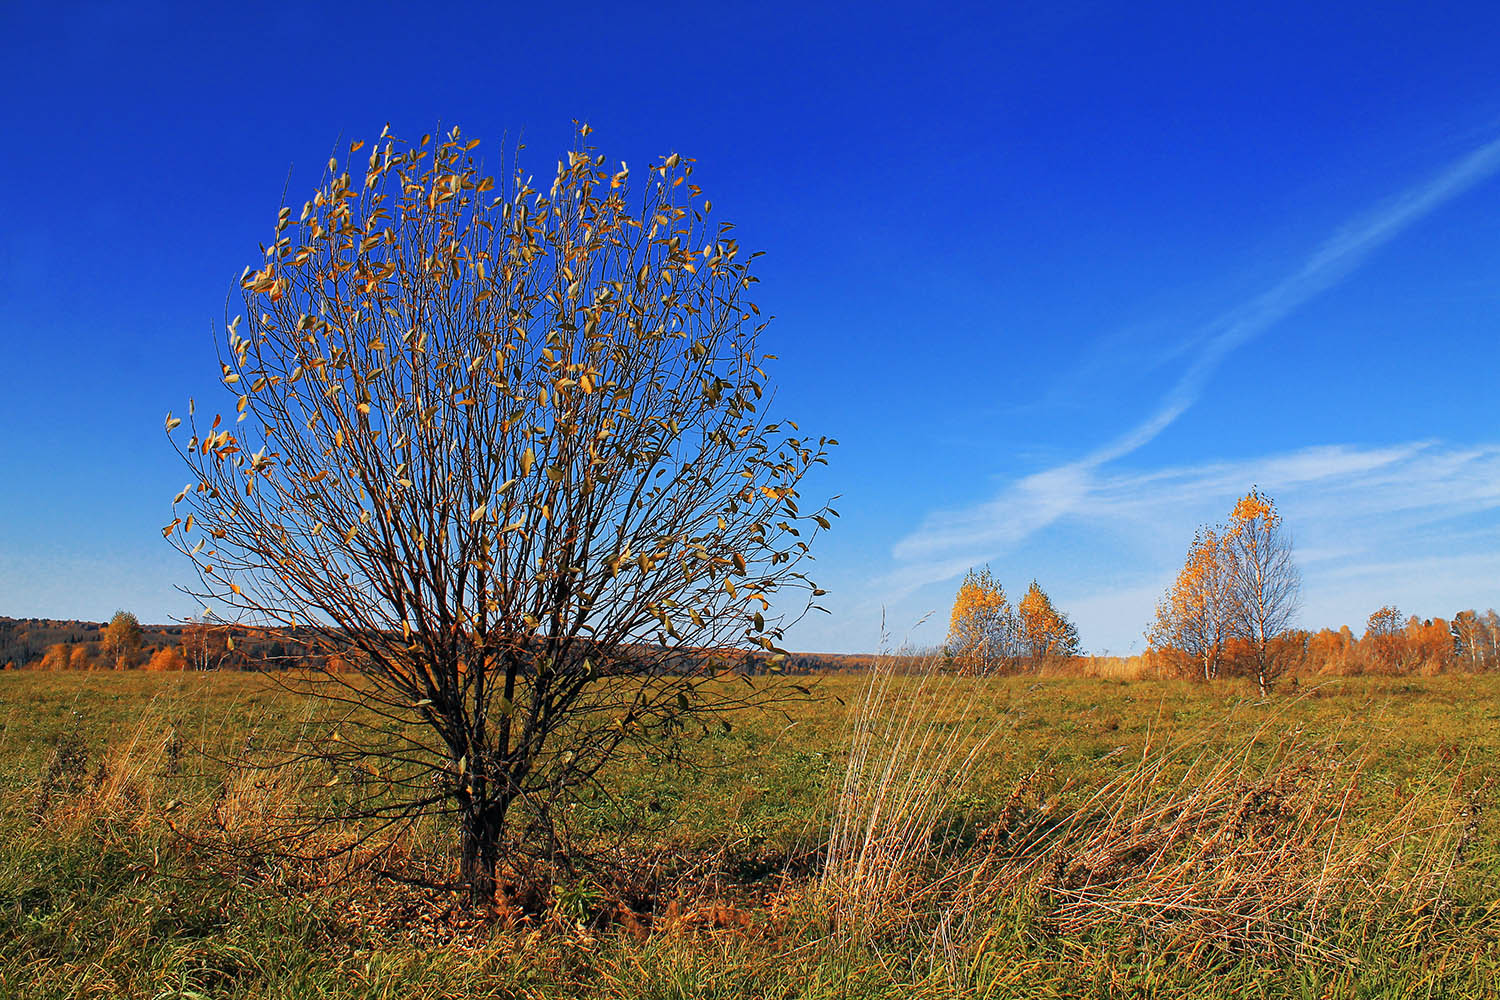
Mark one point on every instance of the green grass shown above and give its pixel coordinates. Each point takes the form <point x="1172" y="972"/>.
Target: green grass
<point x="105" y="900"/>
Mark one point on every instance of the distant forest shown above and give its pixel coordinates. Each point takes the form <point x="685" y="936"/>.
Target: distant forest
<point x="51" y="644"/>
<point x="1390" y="644"/>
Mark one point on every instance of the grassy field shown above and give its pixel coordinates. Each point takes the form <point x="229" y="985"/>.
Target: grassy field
<point x="1329" y="843"/>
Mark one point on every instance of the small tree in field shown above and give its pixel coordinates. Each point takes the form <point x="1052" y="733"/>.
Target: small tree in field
<point x="122" y="638"/>
<point x="504" y="453"/>
<point x="167" y="658"/>
<point x="982" y="629"/>
<point x="1045" y="632"/>
<point x="1264" y="581"/>
<point x="204" y="645"/>
<point x="1194" y="619"/>
<point x="57" y="657"/>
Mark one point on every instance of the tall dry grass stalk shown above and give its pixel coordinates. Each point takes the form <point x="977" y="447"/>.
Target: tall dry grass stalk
<point x="125" y="783"/>
<point x="915" y="739"/>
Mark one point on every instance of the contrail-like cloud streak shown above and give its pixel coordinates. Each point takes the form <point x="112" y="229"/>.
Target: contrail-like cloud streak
<point x="978" y="534"/>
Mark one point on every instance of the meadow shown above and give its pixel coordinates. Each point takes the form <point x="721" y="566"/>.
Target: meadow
<point x="1017" y="836"/>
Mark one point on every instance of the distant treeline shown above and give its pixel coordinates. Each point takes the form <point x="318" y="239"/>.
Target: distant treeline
<point x="50" y="644"/>
<point x="1390" y="644"/>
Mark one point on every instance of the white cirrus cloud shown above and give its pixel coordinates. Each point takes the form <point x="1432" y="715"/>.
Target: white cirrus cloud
<point x="1351" y="506"/>
<point x="1418" y="523"/>
<point x="1033" y="503"/>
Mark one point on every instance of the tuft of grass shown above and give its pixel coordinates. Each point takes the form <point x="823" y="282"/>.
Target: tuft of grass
<point x="915" y="738"/>
<point x="1246" y="842"/>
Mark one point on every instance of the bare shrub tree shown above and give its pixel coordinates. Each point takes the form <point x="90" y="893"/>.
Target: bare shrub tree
<point x="1265" y="583"/>
<point x="504" y="452"/>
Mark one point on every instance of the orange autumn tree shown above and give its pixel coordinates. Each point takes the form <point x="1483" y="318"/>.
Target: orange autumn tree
<point x="982" y="629"/>
<point x="1193" y="618"/>
<point x="1332" y="651"/>
<point x="122" y="640"/>
<point x="167" y="658"/>
<point x="1429" y="643"/>
<point x="1045" y="632"/>
<point x="1385" y="639"/>
<point x="1235" y="597"/>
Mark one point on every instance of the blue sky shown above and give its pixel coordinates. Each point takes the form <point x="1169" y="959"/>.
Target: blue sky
<point x="1063" y="281"/>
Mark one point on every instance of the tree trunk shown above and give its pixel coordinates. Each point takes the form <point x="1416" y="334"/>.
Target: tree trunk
<point x="482" y="828"/>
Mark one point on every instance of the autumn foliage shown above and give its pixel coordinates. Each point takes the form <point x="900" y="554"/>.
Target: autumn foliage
<point x="1394" y="643"/>
<point x="982" y="628"/>
<point x="1236" y="596"/>
<point x="1231" y="611"/>
<point x="1046" y="633"/>
<point x="507" y="456"/>
<point x="1193" y="619"/>
<point x="122" y="640"/>
<point x="987" y="635"/>
<point x="167" y="658"/>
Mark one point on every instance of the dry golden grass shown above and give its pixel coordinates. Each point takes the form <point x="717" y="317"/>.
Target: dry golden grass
<point x="914" y="739"/>
<point x="1248" y="840"/>
<point x="963" y="836"/>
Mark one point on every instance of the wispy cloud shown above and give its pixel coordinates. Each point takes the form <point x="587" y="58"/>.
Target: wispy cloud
<point x="979" y="533"/>
<point x="1411" y="523"/>
<point x="1352" y="507"/>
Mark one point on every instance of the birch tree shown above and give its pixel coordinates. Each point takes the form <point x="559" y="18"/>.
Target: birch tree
<point x="982" y="629"/>
<point x="1195" y="616"/>
<point x="1264" y="580"/>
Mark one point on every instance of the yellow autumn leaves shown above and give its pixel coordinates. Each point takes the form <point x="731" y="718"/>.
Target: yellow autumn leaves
<point x="1237" y="592"/>
<point x="987" y="635"/>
